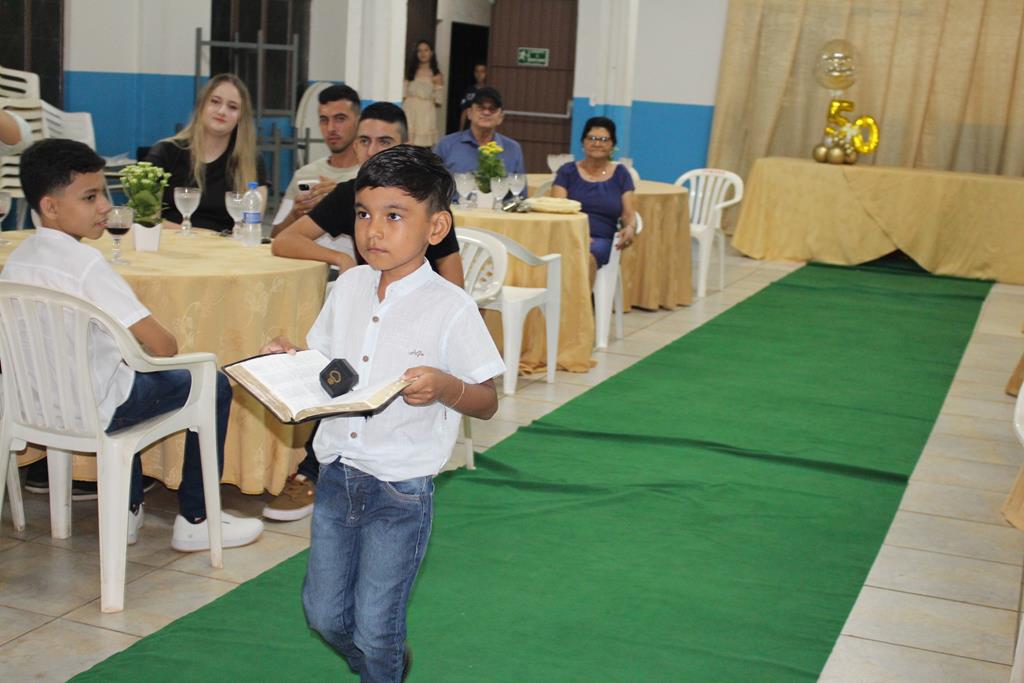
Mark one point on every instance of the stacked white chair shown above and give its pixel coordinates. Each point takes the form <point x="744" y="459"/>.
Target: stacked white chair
<point x="515" y="302"/>
<point x="608" y="297"/>
<point x="307" y="120"/>
<point x="48" y="399"/>
<point x="17" y="84"/>
<point x="708" y="189"/>
<point x="484" y="264"/>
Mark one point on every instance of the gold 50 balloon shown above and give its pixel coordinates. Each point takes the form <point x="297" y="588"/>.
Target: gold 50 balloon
<point x="844" y="139"/>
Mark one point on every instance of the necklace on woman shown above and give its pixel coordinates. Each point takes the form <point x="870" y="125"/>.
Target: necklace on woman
<point x="596" y="173"/>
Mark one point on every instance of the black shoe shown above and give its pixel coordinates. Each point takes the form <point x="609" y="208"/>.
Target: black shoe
<point x="80" y="490"/>
<point x="406" y="661"/>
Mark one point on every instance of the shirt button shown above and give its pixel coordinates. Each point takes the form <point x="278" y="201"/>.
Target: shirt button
<point x="366" y="358"/>
<point x="376" y="319"/>
<point x="353" y="435"/>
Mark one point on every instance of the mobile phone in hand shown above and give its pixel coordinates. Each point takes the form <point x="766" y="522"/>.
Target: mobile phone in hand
<point x="306" y="185"/>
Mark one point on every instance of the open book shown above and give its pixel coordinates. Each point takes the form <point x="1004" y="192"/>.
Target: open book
<point x="290" y="386"/>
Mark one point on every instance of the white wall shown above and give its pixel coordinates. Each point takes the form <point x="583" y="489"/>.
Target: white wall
<point x="679" y="50"/>
<point x="142" y="36"/>
<point x="375" y="48"/>
<point x="328" y="28"/>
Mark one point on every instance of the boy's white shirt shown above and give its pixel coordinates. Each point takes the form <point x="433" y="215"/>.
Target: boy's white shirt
<point x="58" y="261"/>
<point x="423" y="320"/>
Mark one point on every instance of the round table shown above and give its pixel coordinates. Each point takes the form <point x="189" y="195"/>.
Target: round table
<point x="545" y="233"/>
<point x="215" y="295"/>
<point x="656" y="270"/>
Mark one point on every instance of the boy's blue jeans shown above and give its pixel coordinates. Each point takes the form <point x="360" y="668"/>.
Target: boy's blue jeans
<point x="156" y="393"/>
<point x="368" y="540"/>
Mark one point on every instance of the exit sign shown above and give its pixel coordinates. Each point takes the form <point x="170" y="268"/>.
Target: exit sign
<point x="532" y="56"/>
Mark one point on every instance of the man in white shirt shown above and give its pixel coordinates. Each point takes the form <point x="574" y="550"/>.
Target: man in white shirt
<point x="63" y="181"/>
<point x="339" y="115"/>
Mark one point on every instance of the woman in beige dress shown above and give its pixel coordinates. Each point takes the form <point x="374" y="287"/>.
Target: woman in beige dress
<point x="423" y="95"/>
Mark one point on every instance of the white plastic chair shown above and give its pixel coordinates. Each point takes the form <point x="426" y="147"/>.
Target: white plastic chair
<point x="48" y="399"/>
<point x="708" y="189"/>
<point x="307" y="117"/>
<point x="515" y="302"/>
<point x="608" y="295"/>
<point x="58" y="123"/>
<point x="14" y="83"/>
<point x="545" y="189"/>
<point x="484" y="264"/>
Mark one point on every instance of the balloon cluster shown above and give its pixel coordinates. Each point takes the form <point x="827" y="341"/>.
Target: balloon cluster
<point x="843" y="139"/>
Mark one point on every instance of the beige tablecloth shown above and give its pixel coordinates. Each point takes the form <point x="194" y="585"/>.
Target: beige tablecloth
<point x="546" y="233"/>
<point x="963" y="224"/>
<point x="215" y="295"/>
<point x="656" y="270"/>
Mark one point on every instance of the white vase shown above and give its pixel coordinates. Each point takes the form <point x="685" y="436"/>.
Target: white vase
<point x="146" y="238"/>
<point x="485" y="200"/>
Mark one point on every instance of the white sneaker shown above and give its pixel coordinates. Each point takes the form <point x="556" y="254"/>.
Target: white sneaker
<point x="236" y="531"/>
<point x="135" y="522"/>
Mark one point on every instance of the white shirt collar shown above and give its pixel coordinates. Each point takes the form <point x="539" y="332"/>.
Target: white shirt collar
<point x="409" y="283"/>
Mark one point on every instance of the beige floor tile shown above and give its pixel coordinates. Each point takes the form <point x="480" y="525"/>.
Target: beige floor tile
<point x="957" y="537"/>
<point x="994" y="409"/>
<point x="47" y="580"/>
<point x="855" y="660"/>
<point x="941" y="469"/>
<point x="640" y="344"/>
<point x="954" y="501"/>
<point x="17" y="622"/>
<point x="58" y="651"/>
<point x="978" y="582"/>
<point x="995" y="379"/>
<point x="975" y="427"/>
<point x="999" y="452"/>
<point x="522" y="410"/>
<point x="153" y="601"/>
<point x="556" y="392"/>
<point x="989" y="359"/>
<point x="486" y="433"/>
<point x="984" y="391"/>
<point x="37" y="519"/>
<point x="608" y="364"/>
<point x="242" y="564"/>
<point x="681" y="323"/>
<point x="954" y="628"/>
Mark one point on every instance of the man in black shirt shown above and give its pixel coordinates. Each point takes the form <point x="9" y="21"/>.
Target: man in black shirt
<point x="381" y="125"/>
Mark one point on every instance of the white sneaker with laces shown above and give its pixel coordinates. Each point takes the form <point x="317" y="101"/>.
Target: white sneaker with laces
<point x="135" y="522"/>
<point x="236" y="531"/>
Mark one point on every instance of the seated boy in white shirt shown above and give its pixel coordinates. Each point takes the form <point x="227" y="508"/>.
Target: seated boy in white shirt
<point x="394" y="316"/>
<point x="63" y="181"/>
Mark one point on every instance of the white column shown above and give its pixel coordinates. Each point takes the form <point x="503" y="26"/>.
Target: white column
<point x="375" y="48"/>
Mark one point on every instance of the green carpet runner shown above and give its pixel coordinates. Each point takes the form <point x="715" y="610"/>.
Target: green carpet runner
<point x="709" y="514"/>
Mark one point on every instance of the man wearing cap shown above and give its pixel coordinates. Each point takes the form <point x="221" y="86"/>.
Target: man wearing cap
<point x="459" y="150"/>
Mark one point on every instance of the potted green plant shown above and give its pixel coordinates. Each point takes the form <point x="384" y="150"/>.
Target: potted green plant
<point x="144" y="185"/>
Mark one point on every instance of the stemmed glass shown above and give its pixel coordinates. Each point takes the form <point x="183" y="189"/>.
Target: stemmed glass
<point x="499" y="186"/>
<point x="5" y="207"/>
<point x="119" y="221"/>
<point x="465" y="183"/>
<point x="187" y="201"/>
<point x="517" y="183"/>
<point x="233" y="203"/>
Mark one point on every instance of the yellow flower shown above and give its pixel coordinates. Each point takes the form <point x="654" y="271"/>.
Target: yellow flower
<point x="492" y="147"/>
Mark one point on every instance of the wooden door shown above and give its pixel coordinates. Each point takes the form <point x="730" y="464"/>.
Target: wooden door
<point x="535" y="98"/>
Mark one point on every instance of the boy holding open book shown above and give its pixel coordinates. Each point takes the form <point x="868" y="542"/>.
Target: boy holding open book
<point x="392" y="317"/>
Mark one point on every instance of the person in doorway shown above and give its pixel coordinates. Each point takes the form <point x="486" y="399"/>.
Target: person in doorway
<point x="423" y="95"/>
<point x="479" y="81"/>
<point x="338" y="117"/>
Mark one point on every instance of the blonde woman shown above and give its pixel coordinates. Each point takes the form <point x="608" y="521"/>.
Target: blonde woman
<point x="215" y="152"/>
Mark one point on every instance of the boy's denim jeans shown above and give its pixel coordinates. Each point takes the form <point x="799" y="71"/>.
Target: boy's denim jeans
<point x="368" y="540"/>
<point x="156" y="393"/>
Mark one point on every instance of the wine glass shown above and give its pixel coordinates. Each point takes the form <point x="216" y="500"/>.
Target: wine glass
<point x="187" y="201"/>
<point x="554" y="162"/>
<point x="5" y="207"/>
<point x="465" y="183"/>
<point x="233" y="203"/>
<point x="517" y="183"/>
<point x="119" y="221"/>
<point x="499" y="186"/>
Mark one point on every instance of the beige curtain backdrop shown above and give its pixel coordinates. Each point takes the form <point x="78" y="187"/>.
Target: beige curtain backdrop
<point x="943" y="78"/>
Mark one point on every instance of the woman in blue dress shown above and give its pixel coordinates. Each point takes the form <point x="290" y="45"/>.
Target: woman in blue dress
<point x="603" y="187"/>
